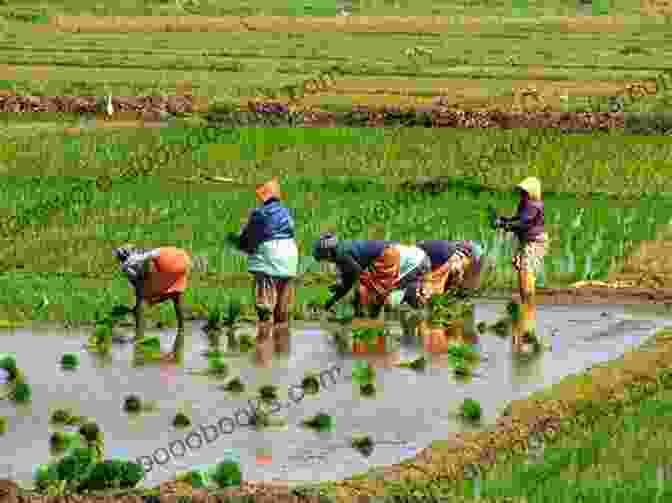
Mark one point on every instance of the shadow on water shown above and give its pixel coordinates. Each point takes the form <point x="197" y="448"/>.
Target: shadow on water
<point x="411" y="408"/>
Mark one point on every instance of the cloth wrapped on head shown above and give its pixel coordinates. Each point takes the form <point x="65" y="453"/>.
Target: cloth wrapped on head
<point x="324" y="246"/>
<point x="532" y="186"/>
<point x="268" y="190"/>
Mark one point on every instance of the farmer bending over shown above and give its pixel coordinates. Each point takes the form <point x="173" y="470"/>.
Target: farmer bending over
<point x="156" y="275"/>
<point x="528" y="226"/>
<point x="455" y="264"/>
<point x="268" y="239"/>
<point x="381" y="268"/>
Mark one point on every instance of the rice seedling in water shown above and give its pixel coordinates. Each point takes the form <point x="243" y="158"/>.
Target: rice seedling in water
<point x="235" y="385"/>
<point x="466" y="352"/>
<point x="363" y="372"/>
<point x="368" y="389"/>
<point x="268" y="392"/>
<point x="3" y="425"/>
<point x="217" y="367"/>
<point x="501" y="328"/>
<point x="61" y="416"/>
<point x="91" y="432"/>
<point x="227" y="474"/>
<point x="471" y="409"/>
<point x="513" y="309"/>
<point x="230" y="317"/>
<point x="363" y="444"/>
<point x="57" y="441"/>
<point x="310" y="384"/>
<point x="461" y="369"/>
<point x="481" y="327"/>
<point x="70" y="361"/>
<point x="132" y="403"/>
<point x="22" y="392"/>
<point x="417" y="364"/>
<point x="320" y="422"/>
<point x="181" y="420"/>
<point x="8" y="362"/>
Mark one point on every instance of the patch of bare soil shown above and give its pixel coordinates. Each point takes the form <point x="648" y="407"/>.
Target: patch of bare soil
<point x="346" y="24"/>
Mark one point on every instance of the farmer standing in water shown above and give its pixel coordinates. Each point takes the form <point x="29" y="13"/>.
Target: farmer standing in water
<point x="528" y="226"/>
<point x="381" y="268"/>
<point x="156" y="275"/>
<point x="268" y="240"/>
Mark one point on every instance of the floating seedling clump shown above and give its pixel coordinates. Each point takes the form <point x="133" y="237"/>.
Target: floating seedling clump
<point x="363" y="444"/>
<point x="227" y="474"/>
<point x="181" y="420"/>
<point x="22" y="392"/>
<point x="91" y="432"/>
<point x="310" y="384"/>
<point x="466" y="352"/>
<point x="417" y="364"/>
<point x="320" y="422"/>
<point x="70" y="361"/>
<point x="481" y="327"/>
<point x="363" y="373"/>
<point x="471" y="409"/>
<point x="368" y="389"/>
<point x="61" y="416"/>
<point x="235" y="385"/>
<point x="268" y="392"/>
<point x="132" y="403"/>
<point x="57" y="441"/>
<point x="217" y="367"/>
<point x="501" y="327"/>
<point x="8" y="363"/>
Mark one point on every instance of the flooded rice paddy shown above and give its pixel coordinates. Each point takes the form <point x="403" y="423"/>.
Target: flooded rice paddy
<point x="410" y="409"/>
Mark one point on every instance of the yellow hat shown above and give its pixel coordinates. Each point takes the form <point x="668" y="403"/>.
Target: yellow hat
<point x="532" y="186"/>
<point x="267" y="190"/>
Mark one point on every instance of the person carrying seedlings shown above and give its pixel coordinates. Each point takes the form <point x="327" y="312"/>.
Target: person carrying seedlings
<point x="156" y="275"/>
<point x="381" y="268"/>
<point x="528" y="226"/>
<point x="455" y="264"/>
<point x="273" y="258"/>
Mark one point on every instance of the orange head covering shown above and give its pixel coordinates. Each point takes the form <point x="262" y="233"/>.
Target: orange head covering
<point x="267" y="190"/>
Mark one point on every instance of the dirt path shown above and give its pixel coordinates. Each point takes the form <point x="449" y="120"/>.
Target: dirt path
<point x="468" y="93"/>
<point x="345" y="24"/>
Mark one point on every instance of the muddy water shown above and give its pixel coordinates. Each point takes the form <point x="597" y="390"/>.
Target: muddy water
<point x="410" y="410"/>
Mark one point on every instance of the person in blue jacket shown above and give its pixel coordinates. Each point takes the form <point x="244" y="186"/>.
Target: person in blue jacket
<point x="268" y="240"/>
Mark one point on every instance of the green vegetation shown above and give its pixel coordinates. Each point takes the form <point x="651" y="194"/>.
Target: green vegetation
<point x="218" y="367"/>
<point x="132" y="403"/>
<point x="21" y="393"/>
<point x="471" y="409"/>
<point x="418" y="364"/>
<point x="311" y="384"/>
<point x="363" y="372"/>
<point x="181" y="420"/>
<point x="235" y="385"/>
<point x="268" y="392"/>
<point x="70" y="361"/>
<point x="587" y="236"/>
<point x="367" y="389"/>
<point x="320" y="422"/>
<point x="363" y="444"/>
<point x="227" y="474"/>
<point x="3" y="425"/>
